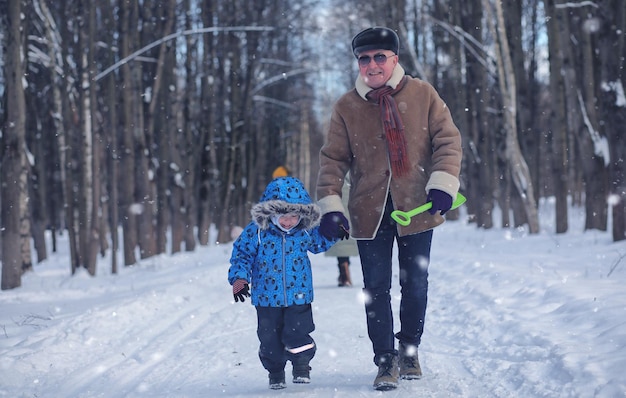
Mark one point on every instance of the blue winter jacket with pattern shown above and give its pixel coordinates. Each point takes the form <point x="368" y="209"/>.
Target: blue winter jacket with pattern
<point x="275" y="262"/>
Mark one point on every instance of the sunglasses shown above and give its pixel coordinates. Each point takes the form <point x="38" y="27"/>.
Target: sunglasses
<point x="380" y="59"/>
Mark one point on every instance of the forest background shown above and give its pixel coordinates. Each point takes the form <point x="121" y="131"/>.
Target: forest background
<point x="134" y="126"/>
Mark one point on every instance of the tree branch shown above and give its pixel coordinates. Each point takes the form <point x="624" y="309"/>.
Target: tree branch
<point x="176" y="35"/>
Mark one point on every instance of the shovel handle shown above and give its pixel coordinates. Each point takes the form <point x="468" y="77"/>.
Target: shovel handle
<point x="404" y="217"/>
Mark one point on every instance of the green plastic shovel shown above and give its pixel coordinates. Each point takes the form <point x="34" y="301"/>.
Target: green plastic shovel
<point x="404" y="217"/>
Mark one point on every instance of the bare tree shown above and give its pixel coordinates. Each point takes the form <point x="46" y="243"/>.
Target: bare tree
<point x="527" y="135"/>
<point x="558" y="115"/>
<point x="161" y="134"/>
<point x="189" y="127"/>
<point x="13" y="149"/>
<point x="89" y="203"/>
<point x="207" y="156"/>
<point x="612" y="105"/>
<point x="593" y="156"/>
<point x="479" y="168"/>
<point x="128" y="30"/>
<point x="146" y="80"/>
<point x="519" y="169"/>
<point x="110" y="132"/>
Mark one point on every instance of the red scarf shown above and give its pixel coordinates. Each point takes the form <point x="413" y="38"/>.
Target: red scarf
<point x="393" y="126"/>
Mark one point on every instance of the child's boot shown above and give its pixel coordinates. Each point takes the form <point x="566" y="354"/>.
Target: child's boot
<point x="277" y="380"/>
<point x="301" y="369"/>
<point x="301" y="373"/>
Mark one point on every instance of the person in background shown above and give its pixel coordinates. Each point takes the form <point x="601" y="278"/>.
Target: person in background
<point x="281" y="171"/>
<point x="396" y="137"/>
<point x="270" y="264"/>
<point x="344" y="249"/>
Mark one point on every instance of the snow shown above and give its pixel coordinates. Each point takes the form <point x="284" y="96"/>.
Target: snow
<point x="509" y="315"/>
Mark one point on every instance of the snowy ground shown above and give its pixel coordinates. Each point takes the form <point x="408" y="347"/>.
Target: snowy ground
<point x="510" y="315"/>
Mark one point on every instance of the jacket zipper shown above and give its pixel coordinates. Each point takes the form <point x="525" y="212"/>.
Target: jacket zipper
<point x="284" y="270"/>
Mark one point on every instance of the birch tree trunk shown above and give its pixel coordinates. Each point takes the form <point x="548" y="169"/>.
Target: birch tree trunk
<point x="90" y="167"/>
<point x="519" y="169"/>
<point x="24" y="212"/>
<point x="85" y="169"/>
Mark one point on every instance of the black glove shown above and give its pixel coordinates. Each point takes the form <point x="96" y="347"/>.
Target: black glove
<point x="441" y="201"/>
<point x="241" y="290"/>
<point x="334" y="225"/>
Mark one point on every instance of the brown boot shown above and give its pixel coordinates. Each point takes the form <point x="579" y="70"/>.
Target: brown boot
<point x="410" y="368"/>
<point x="344" y="274"/>
<point x="387" y="377"/>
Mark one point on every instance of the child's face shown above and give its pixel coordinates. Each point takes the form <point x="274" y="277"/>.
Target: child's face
<point x="288" y="221"/>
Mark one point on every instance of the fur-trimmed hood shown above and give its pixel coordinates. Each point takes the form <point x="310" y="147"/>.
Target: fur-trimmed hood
<point x="286" y="195"/>
<point x="275" y="262"/>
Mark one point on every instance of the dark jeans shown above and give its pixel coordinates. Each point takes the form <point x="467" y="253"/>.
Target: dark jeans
<point x="283" y="328"/>
<point x="376" y="262"/>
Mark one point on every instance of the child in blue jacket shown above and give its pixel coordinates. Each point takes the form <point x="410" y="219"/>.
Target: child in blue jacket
<point x="270" y="264"/>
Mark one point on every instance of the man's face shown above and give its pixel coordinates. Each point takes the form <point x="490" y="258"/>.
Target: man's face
<point x="376" y="66"/>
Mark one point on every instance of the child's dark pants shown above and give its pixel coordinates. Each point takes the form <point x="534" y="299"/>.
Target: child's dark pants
<point x="284" y="333"/>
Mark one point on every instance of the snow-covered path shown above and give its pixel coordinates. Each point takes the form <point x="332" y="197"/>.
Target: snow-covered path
<point x="510" y="315"/>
